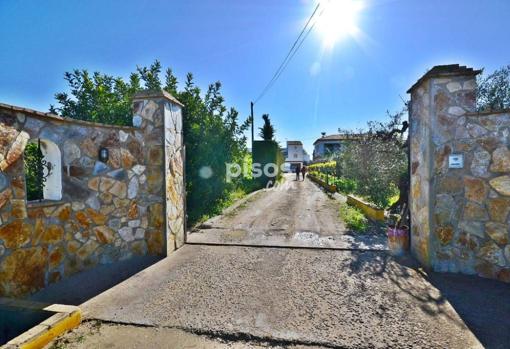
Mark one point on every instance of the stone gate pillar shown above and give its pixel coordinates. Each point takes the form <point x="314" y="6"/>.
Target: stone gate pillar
<point x="439" y="101"/>
<point x="159" y="116"/>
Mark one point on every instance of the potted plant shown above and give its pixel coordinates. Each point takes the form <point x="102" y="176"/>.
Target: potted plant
<point x="398" y="233"/>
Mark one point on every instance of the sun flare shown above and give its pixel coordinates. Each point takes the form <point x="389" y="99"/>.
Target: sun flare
<point x="338" y="19"/>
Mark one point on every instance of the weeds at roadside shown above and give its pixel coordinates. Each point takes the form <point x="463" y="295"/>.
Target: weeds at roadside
<point x="76" y="335"/>
<point x="96" y="325"/>
<point x="59" y="345"/>
<point x="354" y="219"/>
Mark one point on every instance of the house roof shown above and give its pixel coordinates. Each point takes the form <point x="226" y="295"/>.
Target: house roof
<point x="336" y="137"/>
<point x="445" y="70"/>
<point x="294" y="142"/>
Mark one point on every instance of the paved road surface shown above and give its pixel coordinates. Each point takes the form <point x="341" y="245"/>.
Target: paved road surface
<point x="282" y="296"/>
<point x="296" y="213"/>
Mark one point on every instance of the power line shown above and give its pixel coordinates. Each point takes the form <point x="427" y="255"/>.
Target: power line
<point x="295" y="47"/>
<point x="299" y="45"/>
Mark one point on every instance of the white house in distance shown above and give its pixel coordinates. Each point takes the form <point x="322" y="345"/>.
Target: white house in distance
<point x="330" y="144"/>
<point x="295" y="155"/>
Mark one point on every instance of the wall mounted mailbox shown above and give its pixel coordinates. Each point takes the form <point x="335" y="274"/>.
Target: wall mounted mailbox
<point x="456" y="161"/>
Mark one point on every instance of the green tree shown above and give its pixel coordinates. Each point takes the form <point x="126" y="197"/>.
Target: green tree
<point x="267" y="131"/>
<point x="97" y="97"/>
<point x="150" y="75"/>
<point x="213" y="134"/>
<point x="170" y="82"/>
<point x="213" y="137"/>
<point x="494" y="90"/>
<point x="376" y="159"/>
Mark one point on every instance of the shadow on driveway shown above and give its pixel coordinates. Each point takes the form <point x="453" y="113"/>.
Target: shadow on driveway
<point x="483" y="304"/>
<point x="85" y="285"/>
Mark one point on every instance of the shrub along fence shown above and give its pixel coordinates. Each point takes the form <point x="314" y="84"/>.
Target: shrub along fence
<point x="326" y="175"/>
<point x="329" y="173"/>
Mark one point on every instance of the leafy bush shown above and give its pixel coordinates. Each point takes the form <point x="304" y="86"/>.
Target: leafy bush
<point x="97" y="97"/>
<point x="34" y="175"/>
<point x="376" y="159"/>
<point x="371" y="183"/>
<point x="376" y="167"/>
<point x="345" y="185"/>
<point x="326" y="171"/>
<point x="213" y="134"/>
<point x="353" y="218"/>
<point x="494" y="90"/>
<point x="323" y="167"/>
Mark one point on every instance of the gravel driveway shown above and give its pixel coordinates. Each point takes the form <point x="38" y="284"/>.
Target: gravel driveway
<point x="294" y="214"/>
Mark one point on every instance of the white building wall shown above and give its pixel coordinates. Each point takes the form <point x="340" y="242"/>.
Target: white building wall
<point x="52" y="189"/>
<point x="295" y="153"/>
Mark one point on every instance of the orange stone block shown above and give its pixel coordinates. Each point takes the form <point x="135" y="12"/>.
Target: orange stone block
<point x="499" y="209"/>
<point x="476" y="189"/>
<point x="127" y="159"/>
<point x="5" y="196"/>
<point x="38" y="231"/>
<point x="23" y="271"/>
<point x="83" y="219"/>
<point x="53" y="234"/>
<point x="97" y="218"/>
<point x="133" y="210"/>
<point x="19" y="209"/>
<point x="35" y="212"/>
<point x="444" y="234"/>
<point x="15" y="234"/>
<point x="94" y="184"/>
<point x="87" y="249"/>
<point x="63" y="213"/>
<point x="73" y="246"/>
<point x="156" y="216"/>
<point x="104" y="234"/>
<point x="155" y="242"/>
<point x="56" y="257"/>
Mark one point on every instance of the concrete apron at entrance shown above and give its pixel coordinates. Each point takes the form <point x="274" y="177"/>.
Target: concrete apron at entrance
<point x="287" y="296"/>
<point x="294" y="214"/>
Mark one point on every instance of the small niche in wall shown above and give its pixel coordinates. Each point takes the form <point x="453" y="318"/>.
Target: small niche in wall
<point x="43" y="170"/>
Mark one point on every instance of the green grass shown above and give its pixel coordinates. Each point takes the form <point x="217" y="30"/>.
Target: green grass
<point x="236" y="195"/>
<point x="231" y="198"/>
<point x="393" y="199"/>
<point x="353" y="218"/>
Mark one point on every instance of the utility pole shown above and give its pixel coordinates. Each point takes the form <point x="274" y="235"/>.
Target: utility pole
<point x="252" y="127"/>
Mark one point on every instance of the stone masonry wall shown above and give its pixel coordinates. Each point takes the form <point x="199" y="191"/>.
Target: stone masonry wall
<point x="171" y="159"/>
<point x="421" y="176"/>
<point x="460" y="216"/>
<point x="108" y="211"/>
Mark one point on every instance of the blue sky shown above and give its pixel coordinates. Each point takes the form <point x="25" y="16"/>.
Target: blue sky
<point x="241" y="43"/>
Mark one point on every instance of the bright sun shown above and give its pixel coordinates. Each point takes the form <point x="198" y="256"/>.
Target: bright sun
<point x="338" y="18"/>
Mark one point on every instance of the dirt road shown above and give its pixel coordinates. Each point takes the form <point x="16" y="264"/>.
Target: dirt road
<point x="295" y="214"/>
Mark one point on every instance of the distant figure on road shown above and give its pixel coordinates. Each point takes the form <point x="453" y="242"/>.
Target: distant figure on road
<point x="298" y="171"/>
<point x="303" y="172"/>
